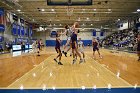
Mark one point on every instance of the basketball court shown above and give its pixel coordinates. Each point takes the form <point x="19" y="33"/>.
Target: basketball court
<point x="27" y="22"/>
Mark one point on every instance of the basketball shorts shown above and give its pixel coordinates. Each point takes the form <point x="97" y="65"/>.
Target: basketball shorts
<point x="81" y="50"/>
<point x="57" y="49"/>
<point x="95" y="49"/>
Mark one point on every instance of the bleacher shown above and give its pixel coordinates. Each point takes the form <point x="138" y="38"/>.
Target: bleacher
<point x="124" y="40"/>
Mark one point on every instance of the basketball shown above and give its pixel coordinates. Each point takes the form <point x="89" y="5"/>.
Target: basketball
<point x="76" y="25"/>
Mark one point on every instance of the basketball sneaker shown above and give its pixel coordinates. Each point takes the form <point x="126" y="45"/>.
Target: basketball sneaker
<point x="59" y="63"/>
<point x="74" y="61"/>
<point x="65" y="53"/>
<point x="55" y="60"/>
<point x="81" y="60"/>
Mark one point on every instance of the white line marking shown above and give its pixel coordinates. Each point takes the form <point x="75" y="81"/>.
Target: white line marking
<point x="112" y="72"/>
<point x="30" y="70"/>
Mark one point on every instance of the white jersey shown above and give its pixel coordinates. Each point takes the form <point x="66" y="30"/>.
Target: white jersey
<point x="68" y="32"/>
<point x="80" y="44"/>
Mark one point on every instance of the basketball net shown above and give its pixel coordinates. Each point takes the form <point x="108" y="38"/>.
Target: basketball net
<point x="69" y="12"/>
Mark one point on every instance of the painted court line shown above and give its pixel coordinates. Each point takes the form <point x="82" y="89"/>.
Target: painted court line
<point x="30" y="70"/>
<point x="42" y="63"/>
<point x="111" y="72"/>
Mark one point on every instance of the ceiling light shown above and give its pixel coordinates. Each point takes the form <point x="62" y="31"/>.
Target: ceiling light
<point x="94" y="9"/>
<point x="119" y="19"/>
<point x="18" y="10"/>
<point x="87" y="18"/>
<point x="91" y="24"/>
<point x="134" y="12"/>
<point x="109" y="9"/>
<point x="14" y="14"/>
<point x="138" y="10"/>
<point x="83" y="9"/>
<point x="42" y="10"/>
<point x="79" y="19"/>
<point x="52" y="10"/>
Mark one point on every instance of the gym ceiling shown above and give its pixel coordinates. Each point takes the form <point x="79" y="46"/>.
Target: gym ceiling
<point x="101" y="13"/>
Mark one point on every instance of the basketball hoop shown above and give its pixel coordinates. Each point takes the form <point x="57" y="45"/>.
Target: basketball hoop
<point x="69" y="12"/>
<point x="69" y="2"/>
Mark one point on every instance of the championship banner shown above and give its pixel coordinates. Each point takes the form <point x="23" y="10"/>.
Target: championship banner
<point x="22" y="31"/>
<point x="18" y="28"/>
<point x="94" y="32"/>
<point x="2" y="28"/>
<point x="14" y="29"/>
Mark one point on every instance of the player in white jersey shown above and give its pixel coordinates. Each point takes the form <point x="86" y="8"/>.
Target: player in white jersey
<point x="81" y="48"/>
<point x="68" y="33"/>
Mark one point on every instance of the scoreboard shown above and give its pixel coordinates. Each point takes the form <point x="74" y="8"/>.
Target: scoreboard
<point x="69" y="2"/>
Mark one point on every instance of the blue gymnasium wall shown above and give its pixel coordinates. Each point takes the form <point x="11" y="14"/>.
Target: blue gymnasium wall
<point x="85" y="35"/>
<point x="52" y="42"/>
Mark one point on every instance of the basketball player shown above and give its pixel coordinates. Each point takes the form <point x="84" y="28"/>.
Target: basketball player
<point x="95" y="45"/>
<point x="81" y="48"/>
<point x="138" y="47"/>
<point x="74" y="42"/>
<point x="68" y="33"/>
<point x="58" y="50"/>
<point x="34" y="46"/>
<point x="38" y="48"/>
<point x="41" y="44"/>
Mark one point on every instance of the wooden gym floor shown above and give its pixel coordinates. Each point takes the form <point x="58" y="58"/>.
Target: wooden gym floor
<point x="116" y="69"/>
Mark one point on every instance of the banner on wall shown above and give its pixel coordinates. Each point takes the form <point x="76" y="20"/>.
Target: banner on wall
<point x="1" y="11"/>
<point x="18" y="28"/>
<point x="1" y="38"/>
<point x="26" y="31"/>
<point x="2" y="28"/>
<point x="14" y="29"/>
<point x="138" y="26"/>
<point x="94" y="32"/>
<point x="19" y="40"/>
<point x="31" y="31"/>
<point x="53" y="34"/>
<point x="22" y="31"/>
<point x="102" y="33"/>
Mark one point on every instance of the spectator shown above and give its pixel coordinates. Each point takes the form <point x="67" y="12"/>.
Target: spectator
<point x="1" y="49"/>
<point x="23" y="46"/>
<point x="8" y="46"/>
<point x="138" y="47"/>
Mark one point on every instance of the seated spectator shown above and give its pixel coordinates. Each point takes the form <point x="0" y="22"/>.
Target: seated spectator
<point x="1" y="49"/>
<point x="130" y="46"/>
<point x="23" y="46"/>
<point x="8" y="46"/>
